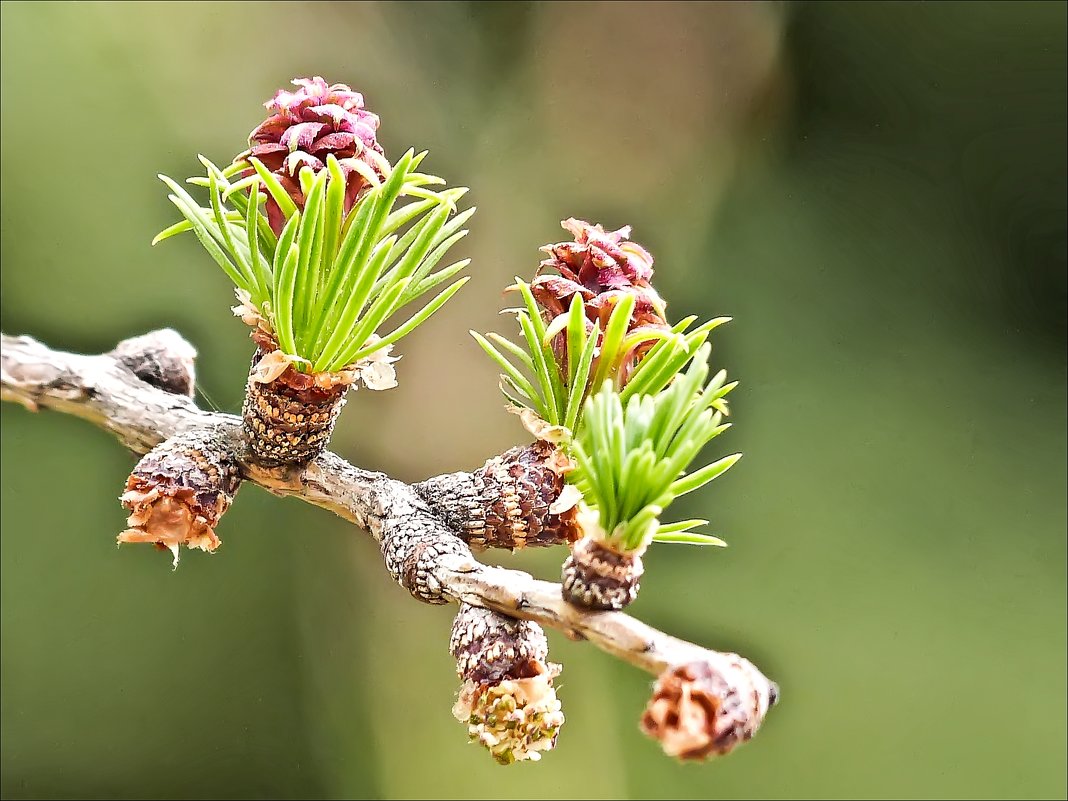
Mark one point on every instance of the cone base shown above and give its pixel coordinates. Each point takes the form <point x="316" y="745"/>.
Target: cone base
<point x="599" y="578"/>
<point x="288" y="420"/>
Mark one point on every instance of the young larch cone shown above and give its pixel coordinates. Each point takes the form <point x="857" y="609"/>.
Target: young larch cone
<point x="306" y="126"/>
<point x="598" y="577"/>
<point x="515" y="500"/>
<point x="600" y="267"/>
<point x="708" y="707"/>
<point x="179" y="490"/>
<point x="507" y="699"/>
<point x="289" y="416"/>
<point x="596" y="262"/>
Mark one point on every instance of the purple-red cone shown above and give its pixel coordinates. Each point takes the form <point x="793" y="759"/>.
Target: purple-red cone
<point x="601" y="267"/>
<point x="598" y="265"/>
<point x="306" y="126"/>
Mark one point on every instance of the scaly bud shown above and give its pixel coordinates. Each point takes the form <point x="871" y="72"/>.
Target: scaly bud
<point x="599" y="574"/>
<point x="515" y="500"/>
<point x="706" y="708"/>
<point x="178" y="492"/>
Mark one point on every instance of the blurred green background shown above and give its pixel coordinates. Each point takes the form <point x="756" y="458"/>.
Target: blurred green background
<point x="875" y="192"/>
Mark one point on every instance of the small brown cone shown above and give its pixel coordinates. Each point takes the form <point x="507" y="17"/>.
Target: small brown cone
<point x="178" y="492"/>
<point x="507" y="699"/>
<point x="706" y="708"/>
<point x="513" y="501"/>
<point x="289" y="418"/>
<point x="600" y="578"/>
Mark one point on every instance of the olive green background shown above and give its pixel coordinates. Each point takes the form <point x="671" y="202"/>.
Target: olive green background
<point x="876" y="194"/>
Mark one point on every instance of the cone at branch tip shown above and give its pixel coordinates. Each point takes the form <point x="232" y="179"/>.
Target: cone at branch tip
<point x="179" y="491"/>
<point x="303" y="128"/>
<point x="707" y="708"/>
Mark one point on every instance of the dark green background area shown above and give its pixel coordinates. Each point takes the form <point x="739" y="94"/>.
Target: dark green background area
<point x="875" y="192"/>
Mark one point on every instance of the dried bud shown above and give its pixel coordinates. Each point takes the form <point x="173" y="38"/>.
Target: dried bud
<point x="708" y="707"/>
<point x="178" y="492"/>
<point x="163" y="358"/>
<point x="306" y="126"/>
<point x="507" y="699"/>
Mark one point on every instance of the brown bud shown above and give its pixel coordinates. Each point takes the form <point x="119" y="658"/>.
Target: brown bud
<point x="509" y="502"/>
<point x="161" y="358"/>
<point x="178" y="492"/>
<point x="489" y="646"/>
<point x="706" y="708"/>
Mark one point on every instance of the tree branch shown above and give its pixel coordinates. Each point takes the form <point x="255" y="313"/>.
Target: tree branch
<point x="103" y="390"/>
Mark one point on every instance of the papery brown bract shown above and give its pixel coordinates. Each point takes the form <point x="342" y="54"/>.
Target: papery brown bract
<point x="701" y="709"/>
<point x="179" y="490"/>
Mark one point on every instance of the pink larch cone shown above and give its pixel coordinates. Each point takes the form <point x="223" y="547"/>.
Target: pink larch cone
<point x="306" y="126"/>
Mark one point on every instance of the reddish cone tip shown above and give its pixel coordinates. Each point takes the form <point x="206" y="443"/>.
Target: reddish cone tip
<point x="306" y="126"/>
<point x="599" y="266"/>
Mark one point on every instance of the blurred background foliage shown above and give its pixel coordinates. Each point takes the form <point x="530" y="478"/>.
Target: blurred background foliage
<point x="875" y="192"/>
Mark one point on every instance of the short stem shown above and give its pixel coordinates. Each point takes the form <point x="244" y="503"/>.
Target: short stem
<point x="598" y="577"/>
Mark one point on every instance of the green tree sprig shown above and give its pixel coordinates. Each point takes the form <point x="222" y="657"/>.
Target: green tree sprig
<point x="633" y="450"/>
<point x="329" y="280"/>
<point x="557" y="389"/>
